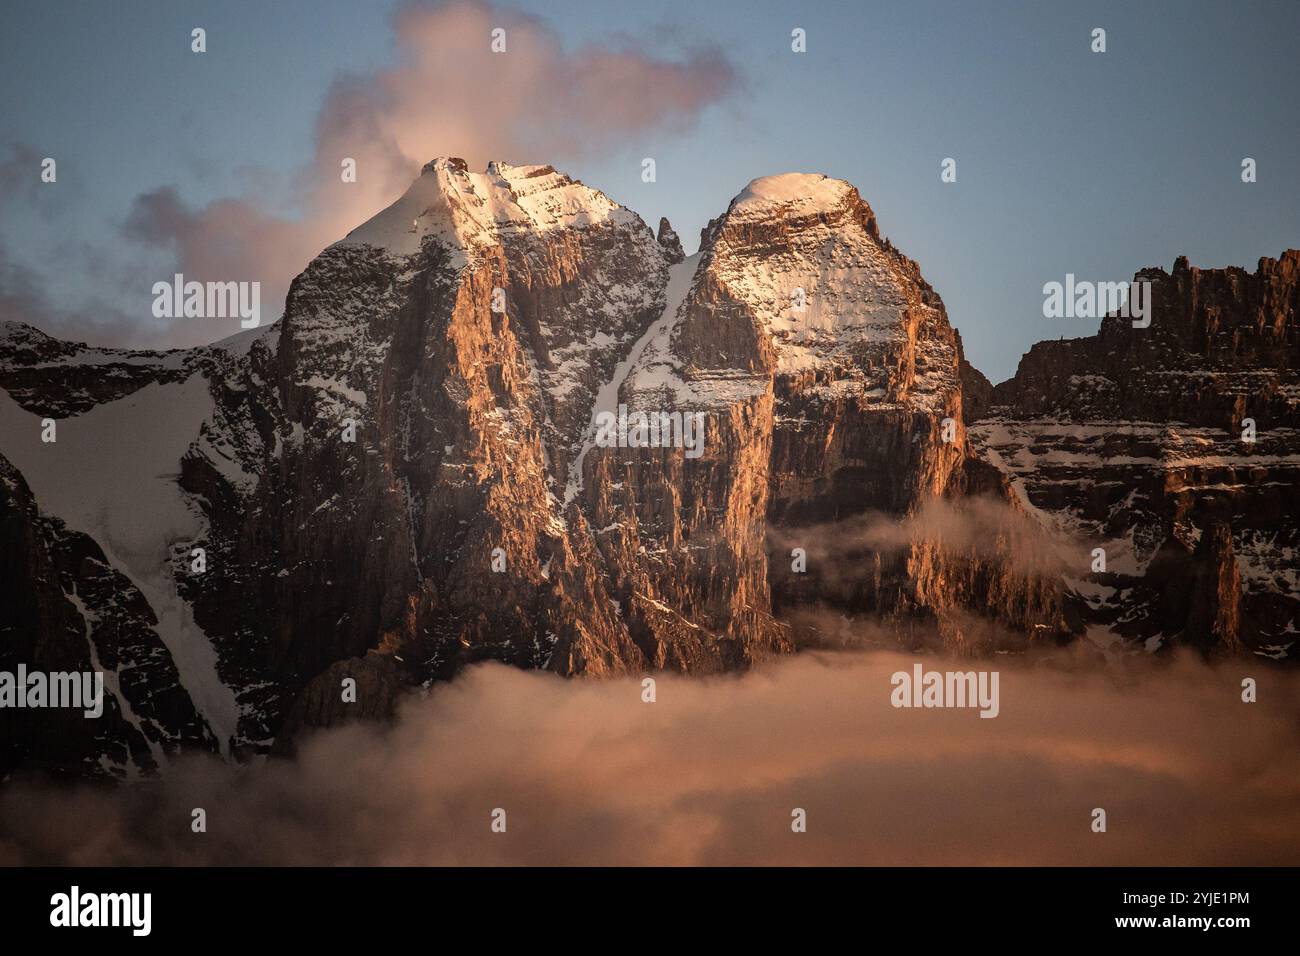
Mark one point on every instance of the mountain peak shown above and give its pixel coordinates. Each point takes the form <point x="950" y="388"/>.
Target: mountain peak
<point x="465" y="210"/>
<point x="799" y="194"/>
<point x="670" y="241"/>
<point x="454" y="163"/>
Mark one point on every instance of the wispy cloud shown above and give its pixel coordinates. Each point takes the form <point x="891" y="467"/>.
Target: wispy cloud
<point x="446" y="93"/>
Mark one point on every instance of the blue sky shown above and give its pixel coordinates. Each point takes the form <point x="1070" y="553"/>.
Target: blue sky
<point x="1068" y="161"/>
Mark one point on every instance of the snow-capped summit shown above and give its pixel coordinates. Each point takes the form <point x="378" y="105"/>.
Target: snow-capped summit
<point x="794" y="194"/>
<point x="468" y="210"/>
<point x="803" y="252"/>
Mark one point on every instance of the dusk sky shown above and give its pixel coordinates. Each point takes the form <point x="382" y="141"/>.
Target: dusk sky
<point x="225" y="164"/>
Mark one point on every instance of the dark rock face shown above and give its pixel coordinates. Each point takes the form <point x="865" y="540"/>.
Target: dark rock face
<point x="415" y="470"/>
<point x="1223" y="344"/>
<point x="50" y="377"/>
<point x="357" y="689"/>
<point x="976" y="391"/>
<point x="1214" y="618"/>
<point x="1136" y="441"/>
<point x="671" y="242"/>
<point x="67" y="611"/>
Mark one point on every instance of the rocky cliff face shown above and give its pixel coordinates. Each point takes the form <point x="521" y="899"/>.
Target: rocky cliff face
<point x="66" y="609"/>
<point x="505" y="420"/>
<point x="1174" y="449"/>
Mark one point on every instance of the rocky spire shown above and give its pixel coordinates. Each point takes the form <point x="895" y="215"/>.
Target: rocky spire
<point x="670" y="241"/>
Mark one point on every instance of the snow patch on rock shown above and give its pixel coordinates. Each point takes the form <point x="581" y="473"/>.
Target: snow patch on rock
<point x="112" y="474"/>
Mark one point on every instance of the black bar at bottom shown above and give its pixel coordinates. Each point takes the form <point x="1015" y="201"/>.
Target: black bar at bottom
<point x="333" y="906"/>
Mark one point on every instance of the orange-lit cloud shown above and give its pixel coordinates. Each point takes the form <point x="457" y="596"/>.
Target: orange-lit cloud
<point x="710" y="772"/>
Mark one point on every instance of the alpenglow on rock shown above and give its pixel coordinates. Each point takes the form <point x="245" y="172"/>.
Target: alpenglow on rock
<point x="402" y="476"/>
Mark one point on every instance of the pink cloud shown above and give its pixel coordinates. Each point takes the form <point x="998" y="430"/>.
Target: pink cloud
<point x="589" y="774"/>
<point x="447" y="93"/>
